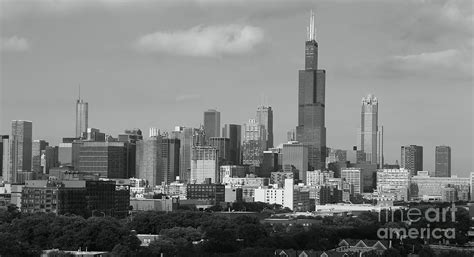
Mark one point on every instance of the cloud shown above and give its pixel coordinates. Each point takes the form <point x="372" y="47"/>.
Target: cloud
<point x="181" y="98"/>
<point x="450" y="63"/>
<point x="201" y="41"/>
<point x="14" y="44"/>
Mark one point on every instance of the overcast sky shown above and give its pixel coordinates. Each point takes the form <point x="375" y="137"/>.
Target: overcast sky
<point x="163" y="63"/>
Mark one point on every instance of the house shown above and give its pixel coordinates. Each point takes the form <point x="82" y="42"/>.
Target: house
<point x="363" y="246"/>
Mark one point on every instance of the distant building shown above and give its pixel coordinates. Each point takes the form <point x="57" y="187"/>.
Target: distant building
<point x="20" y="150"/>
<point x="269" y="164"/>
<point x="234" y="133"/>
<point x="149" y="161"/>
<point x="222" y="144"/>
<point x="68" y="154"/>
<point x="412" y="158"/>
<point x="296" y="154"/>
<point x="245" y="181"/>
<point x="208" y="192"/>
<point x="472" y="186"/>
<point x="425" y="187"/>
<point x="291" y="196"/>
<point x="265" y="117"/>
<point x="78" y="197"/>
<point x="311" y="129"/>
<point x="318" y="177"/>
<point x="231" y="171"/>
<point x="106" y="159"/>
<point x="449" y="194"/>
<point x="131" y="135"/>
<point x="394" y="181"/>
<point x="212" y="123"/>
<point x="204" y="164"/>
<point x="279" y="177"/>
<point x="188" y="138"/>
<point x="329" y="195"/>
<point x="82" y="117"/>
<point x="254" y="143"/>
<point x="443" y="161"/>
<point x="370" y="138"/>
<point x="36" y="149"/>
<point x="4" y="156"/>
<point x="354" y="177"/>
<point x="170" y="159"/>
<point x="161" y="205"/>
<point x="233" y="195"/>
<point x="49" y="158"/>
<point x="93" y="134"/>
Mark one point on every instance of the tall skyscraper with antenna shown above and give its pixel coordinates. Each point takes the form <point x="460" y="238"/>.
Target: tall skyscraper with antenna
<point x="82" y="115"/>
<point x="370" y="135"/>
<point x="311" y="130"/>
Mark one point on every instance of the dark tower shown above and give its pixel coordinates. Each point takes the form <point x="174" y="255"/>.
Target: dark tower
<point x="311" y="130"/>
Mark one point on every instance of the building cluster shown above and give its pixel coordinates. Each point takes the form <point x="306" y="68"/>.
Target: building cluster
<point x="213" y="164"/>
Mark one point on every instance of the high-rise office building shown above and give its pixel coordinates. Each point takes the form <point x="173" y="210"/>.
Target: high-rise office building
<point x="222" y="144"/>
<point x="443" y="161"/>
<point x="49" y="158"/>
<point x="37" y="147"/>
<point x="149" y="160"/>
<point x="265" y="117"/>
<point x="131" y="135"/>
<point x="234" y="133"/>
<point x="204" y="165"/>
<point x="170" y="154"/>
<point x="253" y="143"/>
<point x="311" y="130"/>
<point x="105" y="159"/>
<point x="5" y="157"/>
<point x="68" y="154"/>
<point x="82" y="116"/>
<point x="412" y="158"/>
<point x="471" y="182"/>
<point x="20" y="145"/>
<point x="296" y="154"/>
<point x="188" y="138"/>
<point x="212" y="123"/>
<point x="369" y="133"/>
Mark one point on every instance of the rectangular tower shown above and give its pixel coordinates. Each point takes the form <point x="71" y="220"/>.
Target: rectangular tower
<point x="443" y="161"/>
<point x="412" y="158"/>
<point x="20" y="148"/>
<point x="368" y="132"/>
<point x="37" y="148"/>
<point x="212" y="123"/>
<point x="234" y="133"/>
<point x="265" y="117"/>
<point x="82" y="117"/>
<point x="311" y="130"/>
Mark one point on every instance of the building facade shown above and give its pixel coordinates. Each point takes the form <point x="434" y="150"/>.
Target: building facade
<point x="394" y="181"/>
<point x="204" y="164"/>
<point x="265" y="117"/>
<point x="354" y="177"/>
<point x="20" y="149"/>
<point x="82" y="117"/>
<point x="311" y="129"/>
<point x="149" y="161"/>
<point x="412" y="158"/>
<point x="296" y="154"/>
<point x="443" y="161"/>
<point x="254" y="143"/>
<point x="38" y="146"/>
<point x="234" y="133"/>
<point x="369" y="134"/>
<point x="105" y="159"/>
<point x="170" y="159"/>
<point x="212" y="123"/>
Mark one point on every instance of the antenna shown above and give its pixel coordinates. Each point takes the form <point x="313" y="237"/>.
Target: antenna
<point x="312" y="29"/>
<point x="79" y="91"/>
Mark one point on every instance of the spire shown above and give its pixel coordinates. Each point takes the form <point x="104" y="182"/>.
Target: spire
<point x="79" y="92"/>
<point x="311" y="30"/>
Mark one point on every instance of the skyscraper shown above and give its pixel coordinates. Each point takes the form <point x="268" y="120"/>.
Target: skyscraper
<point x="82" y="116"/>
<point x="254" y="143"/>
<point x="265" y="117"/>
<point x="234" y="133"/>
<point x="20" y="148"/>
<point x="443" y="161"/>
<point x="204" y="164"/>
<point x="412" y="158"/>
<point x="1" y="155"/>
<point x="170" y="155"/>
<point x="296" y="154"/>
<point x="368" y="136"/>
<point x="222" y="144"/>
<point x="212" y="123"/>
<point x="6" y="169"/>
<point x="37" y="147"/>
<point x="149" y="160"/>
<point x="311" y="130"/>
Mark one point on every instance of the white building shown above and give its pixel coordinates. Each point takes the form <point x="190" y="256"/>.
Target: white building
<point x="204" y="164"/>
<point x="291" y="196"/>
<point x="354" y="177"/>
<point x="394" y="181"/>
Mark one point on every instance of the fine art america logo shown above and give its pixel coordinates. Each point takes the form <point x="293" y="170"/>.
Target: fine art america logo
<point x="419" y="223"/>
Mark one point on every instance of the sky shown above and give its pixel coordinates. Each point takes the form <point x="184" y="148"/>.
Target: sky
<point x="143" y="64"/>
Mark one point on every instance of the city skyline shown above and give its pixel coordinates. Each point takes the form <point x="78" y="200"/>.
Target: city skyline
<point x="53" y="116"/>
